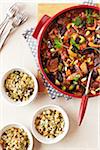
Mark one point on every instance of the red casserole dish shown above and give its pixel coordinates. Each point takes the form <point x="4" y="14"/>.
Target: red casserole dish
<point x="39" y="33"/>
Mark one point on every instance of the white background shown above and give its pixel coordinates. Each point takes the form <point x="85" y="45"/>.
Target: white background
<point x="17" y="53"/>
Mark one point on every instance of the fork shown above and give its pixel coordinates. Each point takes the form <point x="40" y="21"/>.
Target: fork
<point x="17" y="21"/>
<point x="88" y="2"/>
<point x="10" y="14"/>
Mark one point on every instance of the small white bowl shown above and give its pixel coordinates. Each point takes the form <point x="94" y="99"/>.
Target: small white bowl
<point x="19" y="103"/>
<point x="43" y="139"/>
<point x="18" y="125"/>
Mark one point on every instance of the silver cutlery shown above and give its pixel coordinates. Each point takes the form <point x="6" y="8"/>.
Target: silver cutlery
<point x="84" y="100"/>
<point x="10" y="14"/>
<point x="18" y="20"/>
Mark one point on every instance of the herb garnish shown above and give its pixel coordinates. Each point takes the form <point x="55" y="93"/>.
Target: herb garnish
<point x="90" y="19"/>
<point x="88" y="12"/>
<point x="77" y="21"/>
<point x="58" y="43"/>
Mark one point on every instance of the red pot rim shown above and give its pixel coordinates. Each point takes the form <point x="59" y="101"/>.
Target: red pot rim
<point x="39" y="46"/>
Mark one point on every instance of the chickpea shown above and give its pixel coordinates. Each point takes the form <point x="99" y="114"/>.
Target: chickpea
<point x="50" y="123"/>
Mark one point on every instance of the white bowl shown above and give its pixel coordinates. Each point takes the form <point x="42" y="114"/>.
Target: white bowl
<point x="18" y="125"/>
<point x="43" y="139"/>
<point x="19" y="103"/>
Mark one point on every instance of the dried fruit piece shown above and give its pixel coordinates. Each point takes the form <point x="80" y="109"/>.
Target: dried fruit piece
<point x="53" y="65"/>
<point x="83" y="67"/>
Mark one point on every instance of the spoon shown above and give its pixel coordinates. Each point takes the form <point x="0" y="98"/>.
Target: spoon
<point x="84" y="100"/>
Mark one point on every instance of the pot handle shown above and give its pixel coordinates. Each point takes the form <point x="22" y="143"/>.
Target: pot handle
<point x="42" y="21"/>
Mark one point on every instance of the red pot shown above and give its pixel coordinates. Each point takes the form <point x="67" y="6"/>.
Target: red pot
<point x="39" y="33"/>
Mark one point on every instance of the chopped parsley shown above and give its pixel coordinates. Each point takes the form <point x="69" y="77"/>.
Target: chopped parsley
<point x="77" y="21"/>
<point x="58" y="43"/>
<point x="90" y="19"/>
<point x="88" y="11"/>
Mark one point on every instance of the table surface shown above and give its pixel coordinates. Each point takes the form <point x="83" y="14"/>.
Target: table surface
<point x="16" y="53"/>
